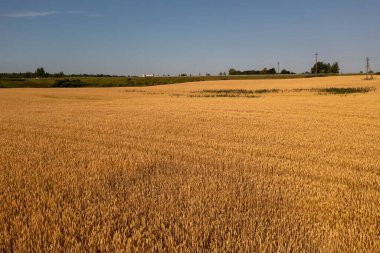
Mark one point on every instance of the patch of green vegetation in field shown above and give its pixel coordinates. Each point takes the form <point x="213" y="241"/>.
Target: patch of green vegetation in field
<point x="260" y="91"/>
<point x="236" y="91"/>
<point x="142" y="91"/>
<point x="241" y="91"/>
<point x="343" y="91"/>
<point x="334" y="90"/>
<point x="225" y="93"/>
<point x="255" y="93"/>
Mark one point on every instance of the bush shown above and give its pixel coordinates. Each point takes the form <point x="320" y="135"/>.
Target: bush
<point x="70" y="83"/>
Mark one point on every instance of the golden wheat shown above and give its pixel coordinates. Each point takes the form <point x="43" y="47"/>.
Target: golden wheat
<point x="154" y="169"/>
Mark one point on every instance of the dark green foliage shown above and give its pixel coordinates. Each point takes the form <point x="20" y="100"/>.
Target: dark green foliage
<point x="232" y="72"/>
<point x="335" y="68"/>
<point x="271" y="71"/>
<point x="232" y="93"/>
<point x="326" y="68"/>
<point x="267" y="91"/>
<point x="28" y="75"/>
<point x="70" y="83"/>
<point x="253" y="93"/>
<point x="335" y="90"/>
<point x="25" y="82"/>
<point x="40" y="72"/>
<point x="240" y="91"/>
<point x="286" y="72"/>
<point x="264" y="71"/>
<point x="225" y="93"/>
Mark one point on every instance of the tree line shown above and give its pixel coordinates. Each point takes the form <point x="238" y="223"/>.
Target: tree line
<point x="40" y="73"/>
<point x="319" y="68"/>
<point x="264" y="71"/>
<point x="325" y="68"/>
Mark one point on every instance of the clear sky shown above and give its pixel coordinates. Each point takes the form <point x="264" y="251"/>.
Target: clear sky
<point x="182" y="36"/>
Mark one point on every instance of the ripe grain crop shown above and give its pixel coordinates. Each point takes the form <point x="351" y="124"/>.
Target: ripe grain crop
<point x="108" y="170"/>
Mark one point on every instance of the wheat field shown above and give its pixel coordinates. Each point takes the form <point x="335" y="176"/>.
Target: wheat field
<point x="158" y="169"/>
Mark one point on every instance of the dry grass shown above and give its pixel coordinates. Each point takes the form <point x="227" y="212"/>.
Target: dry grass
<point x="109" y="170"/>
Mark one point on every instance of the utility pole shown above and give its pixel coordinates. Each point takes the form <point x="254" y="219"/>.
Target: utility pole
<point x="316" y="64"/>
<point x="278" y="68"/>
<point x="368" y="69"/>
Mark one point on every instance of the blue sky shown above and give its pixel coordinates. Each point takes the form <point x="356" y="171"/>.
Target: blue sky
<point x="174" y="36"/>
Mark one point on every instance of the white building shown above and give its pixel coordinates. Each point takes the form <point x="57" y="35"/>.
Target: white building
<point x="147" y="75"/>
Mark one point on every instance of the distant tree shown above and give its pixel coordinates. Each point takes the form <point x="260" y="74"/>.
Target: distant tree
<point x="40" y="72"/>
<point x="286" y="72"/>
<point x="335" y="68"/>
<point x="232" y="72"/>
<point x="316" y="69"/>
<point x="326" y="68"/>
<point x="271" y="71"/>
